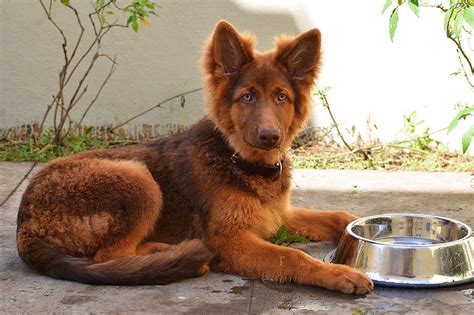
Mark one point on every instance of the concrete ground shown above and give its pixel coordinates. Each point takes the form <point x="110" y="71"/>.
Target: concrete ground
<point x="362" y="192"/>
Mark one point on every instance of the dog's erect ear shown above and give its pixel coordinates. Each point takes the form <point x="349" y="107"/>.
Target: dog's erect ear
<point x="229" y="50"/>
<point x="301" y="56"/>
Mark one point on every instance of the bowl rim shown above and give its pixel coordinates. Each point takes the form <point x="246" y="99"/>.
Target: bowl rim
<point x="368" y="240"/>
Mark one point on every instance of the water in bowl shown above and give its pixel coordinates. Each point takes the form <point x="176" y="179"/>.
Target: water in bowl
<point x="407" y="240"/>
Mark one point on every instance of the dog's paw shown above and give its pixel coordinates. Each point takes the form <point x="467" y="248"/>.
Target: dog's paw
<point x="350" y="280"/>
<point x="203" y="269"/>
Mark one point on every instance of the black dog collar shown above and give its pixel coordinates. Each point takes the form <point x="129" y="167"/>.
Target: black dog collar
<point x="265" y="170"/>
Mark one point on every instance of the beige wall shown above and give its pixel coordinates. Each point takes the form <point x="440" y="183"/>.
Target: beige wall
<point x="160" y="61"/>
<point x="369" y="74"/>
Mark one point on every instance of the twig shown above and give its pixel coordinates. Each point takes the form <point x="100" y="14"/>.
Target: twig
<point x="408" y="148"/>
<point x="43" y="120"/>
<point x="468" y="79"/>
<point x="336" y="125"/>
<point x="79" y="22"/>
<point x="460" y="50"/>
<point x="153" y="107"/>
<point x="111" y="71"/>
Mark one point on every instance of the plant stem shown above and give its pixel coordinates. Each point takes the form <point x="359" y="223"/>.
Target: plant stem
<point x="153" y="107"/>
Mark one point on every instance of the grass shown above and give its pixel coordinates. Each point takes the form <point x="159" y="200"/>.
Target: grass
<point x="44" y="150"/>
<point x="384" y="158"/>
<point x="416" y="154"/>
<point x="308" y="151"/>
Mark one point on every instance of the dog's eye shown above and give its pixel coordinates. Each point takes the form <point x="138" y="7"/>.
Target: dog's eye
<point x="281" y="97"/>
<point x="247" y="97"/>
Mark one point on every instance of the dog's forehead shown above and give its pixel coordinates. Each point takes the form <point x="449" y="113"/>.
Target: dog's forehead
<point x="266" y="74"/>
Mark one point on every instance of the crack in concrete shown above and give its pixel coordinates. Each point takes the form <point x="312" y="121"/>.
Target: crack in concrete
<point x="19" y="184"/>
<point x="252" y="286"/>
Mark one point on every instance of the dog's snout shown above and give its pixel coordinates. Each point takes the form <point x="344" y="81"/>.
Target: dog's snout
<point x="268" y="137"/>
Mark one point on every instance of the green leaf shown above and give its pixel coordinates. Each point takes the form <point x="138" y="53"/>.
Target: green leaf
<point x="393" y="22"/>
<point x="457" y="25"/>
<point x="135" y="26"/>
<point x="297" y="238"/>
<point x="448" y="19"/>
<point x="282" y="233"/>
<point x="467" y="138"/>
<point x="460" y="115"/>
<point x="99" y="3"/>
<point x="65" y="2"/>
<point x="468" y="14"/>
<point x="387" y="4"/>
<point x="130" y="19"/>
<point x="414" y="6"/>
<point x="88" y="131"/>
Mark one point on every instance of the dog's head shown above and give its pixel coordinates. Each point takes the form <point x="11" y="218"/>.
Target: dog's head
<point x="259" y="101"/>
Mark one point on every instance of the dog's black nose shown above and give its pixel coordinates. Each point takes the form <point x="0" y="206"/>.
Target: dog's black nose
<point x="268" y="136"/>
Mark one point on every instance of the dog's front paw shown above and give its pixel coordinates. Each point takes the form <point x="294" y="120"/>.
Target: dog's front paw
<point x="349" y="280"/>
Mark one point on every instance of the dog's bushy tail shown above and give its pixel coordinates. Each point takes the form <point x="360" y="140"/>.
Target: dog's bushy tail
<point x="185" y="260"/>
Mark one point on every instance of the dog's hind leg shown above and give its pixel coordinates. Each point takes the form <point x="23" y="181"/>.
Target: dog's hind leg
<point x="142" y="205"/>
<point x="94" y="208"/>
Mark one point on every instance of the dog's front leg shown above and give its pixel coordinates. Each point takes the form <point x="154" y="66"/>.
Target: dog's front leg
<point x="248" y="255"/>
<point x="317" y="225"/>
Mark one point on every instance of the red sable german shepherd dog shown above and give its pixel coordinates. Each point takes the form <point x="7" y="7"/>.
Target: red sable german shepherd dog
<point x="209" y="197"/>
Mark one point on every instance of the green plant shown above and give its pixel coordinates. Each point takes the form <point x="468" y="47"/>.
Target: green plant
<point x="282" y="238"/>
<point x="422" y="142"/>
<point x="458" y="24"/>
<point x="44" y="149"/>
<point x="321" y="93"/>
<point x="469" y="134"/>
<point x="80" y="58"/>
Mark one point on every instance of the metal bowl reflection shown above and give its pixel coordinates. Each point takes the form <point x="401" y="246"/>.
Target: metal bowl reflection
<point x="409" y="250"/>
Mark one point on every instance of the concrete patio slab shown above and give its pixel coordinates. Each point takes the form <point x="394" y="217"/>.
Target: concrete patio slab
<point x="11" y="174"/>
<point x="362" y="192"/>
<point x="376" y="192"/>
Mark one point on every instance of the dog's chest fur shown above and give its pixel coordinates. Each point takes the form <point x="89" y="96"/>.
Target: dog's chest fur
<point x="194" y="169"/>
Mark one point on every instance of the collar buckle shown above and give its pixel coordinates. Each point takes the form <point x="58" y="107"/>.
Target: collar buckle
<point x="272" y="172"/>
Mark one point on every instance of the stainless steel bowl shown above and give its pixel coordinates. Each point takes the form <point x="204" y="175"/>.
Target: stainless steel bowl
<point x="410" y="250"/>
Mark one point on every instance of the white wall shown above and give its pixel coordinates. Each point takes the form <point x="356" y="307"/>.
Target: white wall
<point x="367" y="72"/>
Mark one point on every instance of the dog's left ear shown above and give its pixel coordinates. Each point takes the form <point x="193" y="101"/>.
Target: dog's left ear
<point x="301" y="56"/>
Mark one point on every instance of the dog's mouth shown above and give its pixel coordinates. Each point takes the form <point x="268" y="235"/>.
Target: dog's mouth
<point x="261" y="146"/>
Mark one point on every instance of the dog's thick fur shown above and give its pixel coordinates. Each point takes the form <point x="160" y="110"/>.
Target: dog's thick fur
<point x="163" y="211"/>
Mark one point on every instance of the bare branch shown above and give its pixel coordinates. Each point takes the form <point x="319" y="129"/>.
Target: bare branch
<point x="84" y="90"/>
<point x="43" y="120"/>
<point x="84" y="77"/>
<point x="463" y="53"/>
<point x="113" y="67"/>
<point x="79" y="22"/>
<point x="336" y="125"/>
<point x="153" y="107"/>
<point x="48" y="14"/>
<point x="466" y="75"/>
